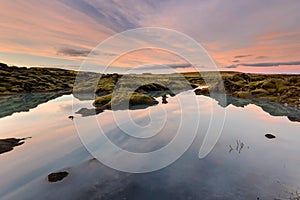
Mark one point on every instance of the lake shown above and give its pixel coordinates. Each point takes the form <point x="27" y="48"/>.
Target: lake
<point x="243" y="164"/>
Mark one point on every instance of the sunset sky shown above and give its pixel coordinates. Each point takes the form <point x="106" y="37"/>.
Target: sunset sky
<point x="250" y="36"/>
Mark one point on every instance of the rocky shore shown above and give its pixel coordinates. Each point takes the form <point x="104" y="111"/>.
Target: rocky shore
<point x="281" y="89"/>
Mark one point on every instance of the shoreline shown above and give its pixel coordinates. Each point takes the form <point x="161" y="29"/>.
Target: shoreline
<point x="280" y="88"/>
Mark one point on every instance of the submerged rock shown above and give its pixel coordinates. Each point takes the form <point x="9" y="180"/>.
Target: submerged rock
<point x="57" y="176"/>
<point x="270" y="136"/>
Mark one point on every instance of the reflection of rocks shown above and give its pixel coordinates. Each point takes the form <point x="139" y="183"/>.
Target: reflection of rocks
<point x="24" y="102"/>
<point x="274" y="109"/>
<point x="84" y="112"/>
<point x="7" y="145"/>
<point x="164" y="99"/>
<point x="57" y="176"/>
<point x="270" y="136"/>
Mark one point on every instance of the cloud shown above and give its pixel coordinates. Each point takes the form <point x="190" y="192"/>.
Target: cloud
<point x="236" y="61"/>
<point x="243" y="56"/>
<point x="73" y="52"/>
<point x="267" y="64"/>
<point x="164" y="66"/>
<point x="35" y="27"/>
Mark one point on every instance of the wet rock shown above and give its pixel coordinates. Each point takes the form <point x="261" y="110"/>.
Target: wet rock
<point x="124" y="101"/>
<point x="202" y="91"/>
<point x="7" y="145"/>
<point x="270" y="136"/>
<point x="71" y="117"/>
<point x="164" y="99"/>
<point x="57" y="176"/>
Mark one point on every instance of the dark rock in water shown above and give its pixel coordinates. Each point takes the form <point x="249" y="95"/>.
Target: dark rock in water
<point x="202" y="91"/>
<point x="71" y="117"/>
<point x="270" y="136"/>
<point x="9" y="144"/>
<point x="164" y="99"/>
<point x="57" y="176"/>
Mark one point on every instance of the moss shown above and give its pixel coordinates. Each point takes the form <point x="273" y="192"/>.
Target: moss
<point x="123" y="101"/>
<point x="243" y="94"/>
<point x="255" y="85"/>
<point x="3" y="89"/>
<point x="272" y="91"/>
<point x="240" y="77"/>
<point x="260" y="92"/>
<point x="101" y="101"/>
<point x="141" y="99"/>
<point x="269" y="84"/>
<point x="282" y="89"/>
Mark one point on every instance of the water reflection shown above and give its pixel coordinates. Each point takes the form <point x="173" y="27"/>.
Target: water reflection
<point x="274" y="109"/>
<point x="24" y="102"/>
<point x="267" y="170"/>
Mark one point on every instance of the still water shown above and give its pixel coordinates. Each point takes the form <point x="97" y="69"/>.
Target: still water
<point x="243" y="164"/>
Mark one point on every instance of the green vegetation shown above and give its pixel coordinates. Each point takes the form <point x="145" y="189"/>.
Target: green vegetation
<point x="282" y="89"/>
<point x="124" y="101"/>
<point x="16" y="80"/>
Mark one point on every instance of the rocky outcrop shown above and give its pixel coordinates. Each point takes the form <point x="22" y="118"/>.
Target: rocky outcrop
<point x="124" y="101"/>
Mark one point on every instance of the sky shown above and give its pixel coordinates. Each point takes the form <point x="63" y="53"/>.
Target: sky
<point x="249" y="36"/>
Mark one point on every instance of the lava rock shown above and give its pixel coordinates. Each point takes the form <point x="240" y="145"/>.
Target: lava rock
<point x="57" y="176"/>
<point x="270" y="136"/>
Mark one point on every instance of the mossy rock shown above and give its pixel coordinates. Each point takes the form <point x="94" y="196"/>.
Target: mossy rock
<point x="241" y="77"/>
<point x="269" y="84"/>
<point x="141" y="99"/>
<point x="242" y="94"/>
<point x="152" y="87"/>
<point x="3" y="89"/>
<point x="297" y="84"/>
<point x="259" y="92"/>
<point x="283" y="89"/>
<point x="124" y="101"/>
<point x="202" y="91"/>
<point x="103" y="100"/>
